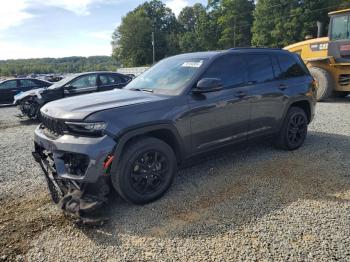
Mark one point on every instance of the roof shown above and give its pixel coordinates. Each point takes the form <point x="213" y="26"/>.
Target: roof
<point x="206" y="54"/>
<point x="22" y="78"/>
<point x="255" y="49"/>
<point x="339" y="12"/>
<point x="210" y="54"/>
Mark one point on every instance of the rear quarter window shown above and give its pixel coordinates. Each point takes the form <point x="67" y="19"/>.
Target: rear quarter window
<point x="291" y="66"/>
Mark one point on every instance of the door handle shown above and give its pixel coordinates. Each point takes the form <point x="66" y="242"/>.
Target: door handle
<point x="240" y="94"/>
<point x="282" y="86"/>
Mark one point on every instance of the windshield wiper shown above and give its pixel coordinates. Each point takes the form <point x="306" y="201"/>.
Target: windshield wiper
<point x="142" y="89"/>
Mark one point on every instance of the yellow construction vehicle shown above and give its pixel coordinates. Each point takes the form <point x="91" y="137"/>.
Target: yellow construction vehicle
<point x="328" y="58"/>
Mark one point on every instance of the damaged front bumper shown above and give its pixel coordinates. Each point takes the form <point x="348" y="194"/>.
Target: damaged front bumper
<point x="75" y="169"/>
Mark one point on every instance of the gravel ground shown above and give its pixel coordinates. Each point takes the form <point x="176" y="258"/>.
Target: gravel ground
<point x="248" y="203"/>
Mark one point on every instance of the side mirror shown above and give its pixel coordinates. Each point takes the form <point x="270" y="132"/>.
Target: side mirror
<point x="69" y="87"/>
<point x="206" y="85"/>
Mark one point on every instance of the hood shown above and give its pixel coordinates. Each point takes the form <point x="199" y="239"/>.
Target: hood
<point x="33" y="92"/>
<point x="79" y="107"/>
<point x="308" y="42"/>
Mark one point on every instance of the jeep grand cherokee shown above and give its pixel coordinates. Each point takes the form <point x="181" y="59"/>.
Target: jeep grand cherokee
<point x="133" y="139"/>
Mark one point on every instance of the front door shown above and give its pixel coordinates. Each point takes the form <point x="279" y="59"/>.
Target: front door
<point x="81" y="85"/>
<point x="8" y="90"/>
<point x="221" y="117"/>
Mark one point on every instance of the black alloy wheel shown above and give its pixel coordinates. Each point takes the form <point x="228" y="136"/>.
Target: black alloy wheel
<point x="294" y="129"/>
<point x="145" y="170"/>
<point x="148" y="171"/>
<point x="297" y="129"/>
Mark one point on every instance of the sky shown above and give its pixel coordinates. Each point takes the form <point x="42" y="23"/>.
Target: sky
<point x="60" y="28"/>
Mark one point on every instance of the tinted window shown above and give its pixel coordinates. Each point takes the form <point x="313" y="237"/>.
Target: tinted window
<point x="27" y="83"/>
<point x="340" y="28"/>
<point x="259" y="68"/>
<point x="84" y="81"/>
<point x="290" y="66"/>
<point x="111" y="80"/>
<point x="40" y="83"/>
<point x="231" y="69"/>
<point x="9" y="84"/>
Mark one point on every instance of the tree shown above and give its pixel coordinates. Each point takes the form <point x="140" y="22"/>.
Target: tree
<point x="56" y="65"/>
<point x="290" y="21"/>
<point x="235" y="21"/>
<point x="191" y="20"/>
<point x="132" y="39"/>
<point x="132" y="43"/>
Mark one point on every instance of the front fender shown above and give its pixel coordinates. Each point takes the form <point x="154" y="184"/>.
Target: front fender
<point x="124" y="136"/>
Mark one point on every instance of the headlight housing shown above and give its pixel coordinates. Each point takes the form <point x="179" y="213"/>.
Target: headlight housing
<point x="87" y="128"/>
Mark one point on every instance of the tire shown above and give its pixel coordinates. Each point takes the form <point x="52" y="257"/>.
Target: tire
<point x="324" y="82"/>
<point x="295" y="126"/>
<point x="34" y="111"/>
<point x="142" y="176"/>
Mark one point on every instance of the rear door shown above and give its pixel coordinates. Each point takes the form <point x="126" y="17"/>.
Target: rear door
<point x="8" y="90"/>
<point x="27" y="84"/>
<point x="111" y="81"/>
<point x="266" y="93"/>
<point x="81" y="85"/>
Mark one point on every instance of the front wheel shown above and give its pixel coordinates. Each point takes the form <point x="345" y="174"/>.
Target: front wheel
<point x="145" y="171"/>
<point x="31" y="108"/>
<point x="294" y="129"/>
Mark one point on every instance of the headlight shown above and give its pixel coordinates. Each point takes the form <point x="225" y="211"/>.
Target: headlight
<point x="93" y="128"/>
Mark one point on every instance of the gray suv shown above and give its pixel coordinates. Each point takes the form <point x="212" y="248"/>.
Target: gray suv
<point x="133" y="139"/>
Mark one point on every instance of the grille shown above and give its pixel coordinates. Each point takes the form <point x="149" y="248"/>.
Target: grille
<point x="344" y="79"/>
<point x="54" y="126"/>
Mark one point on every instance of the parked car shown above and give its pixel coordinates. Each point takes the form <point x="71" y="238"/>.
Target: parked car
<point x="10" y="88"/>
<point x="53" y="78"/>
<point x="133" y="139"/>
<point x="76" y="84"/>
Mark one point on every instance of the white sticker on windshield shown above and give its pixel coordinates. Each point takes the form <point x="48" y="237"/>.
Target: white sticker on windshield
<point x="193" y="64"/>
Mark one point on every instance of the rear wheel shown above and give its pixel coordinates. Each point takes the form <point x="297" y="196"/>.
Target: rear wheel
<point x="294" y="129"/>
<point x="145" y="171"/>
<point x="324" y="82"/>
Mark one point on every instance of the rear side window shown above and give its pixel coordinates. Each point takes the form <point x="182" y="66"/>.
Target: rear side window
<point x="231" y="69"/>
<point x="110" y="79"/>
<point x="27" y="83"/>
<point x="259" y="68"/>
<point x="40" y="83"/>
<point x="290" y="66"/>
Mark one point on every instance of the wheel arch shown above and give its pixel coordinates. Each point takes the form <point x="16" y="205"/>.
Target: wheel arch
<point x="165" y="132"/>
<point x="303" y="104"/>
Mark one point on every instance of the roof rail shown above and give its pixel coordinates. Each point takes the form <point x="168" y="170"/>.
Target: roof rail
<point x="259" y="48"/>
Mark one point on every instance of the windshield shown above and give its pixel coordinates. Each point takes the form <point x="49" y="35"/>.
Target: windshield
<point x="340" y="28"/>
<point x="169" y="76"/>
<point x="63" y="81"/>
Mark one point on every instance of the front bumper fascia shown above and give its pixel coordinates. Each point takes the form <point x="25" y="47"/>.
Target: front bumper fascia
<point x="96" y="149"/>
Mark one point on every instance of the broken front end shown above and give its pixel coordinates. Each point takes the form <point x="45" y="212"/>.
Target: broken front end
<point x="76" y="168"/>
<point x="29" y="107"/>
